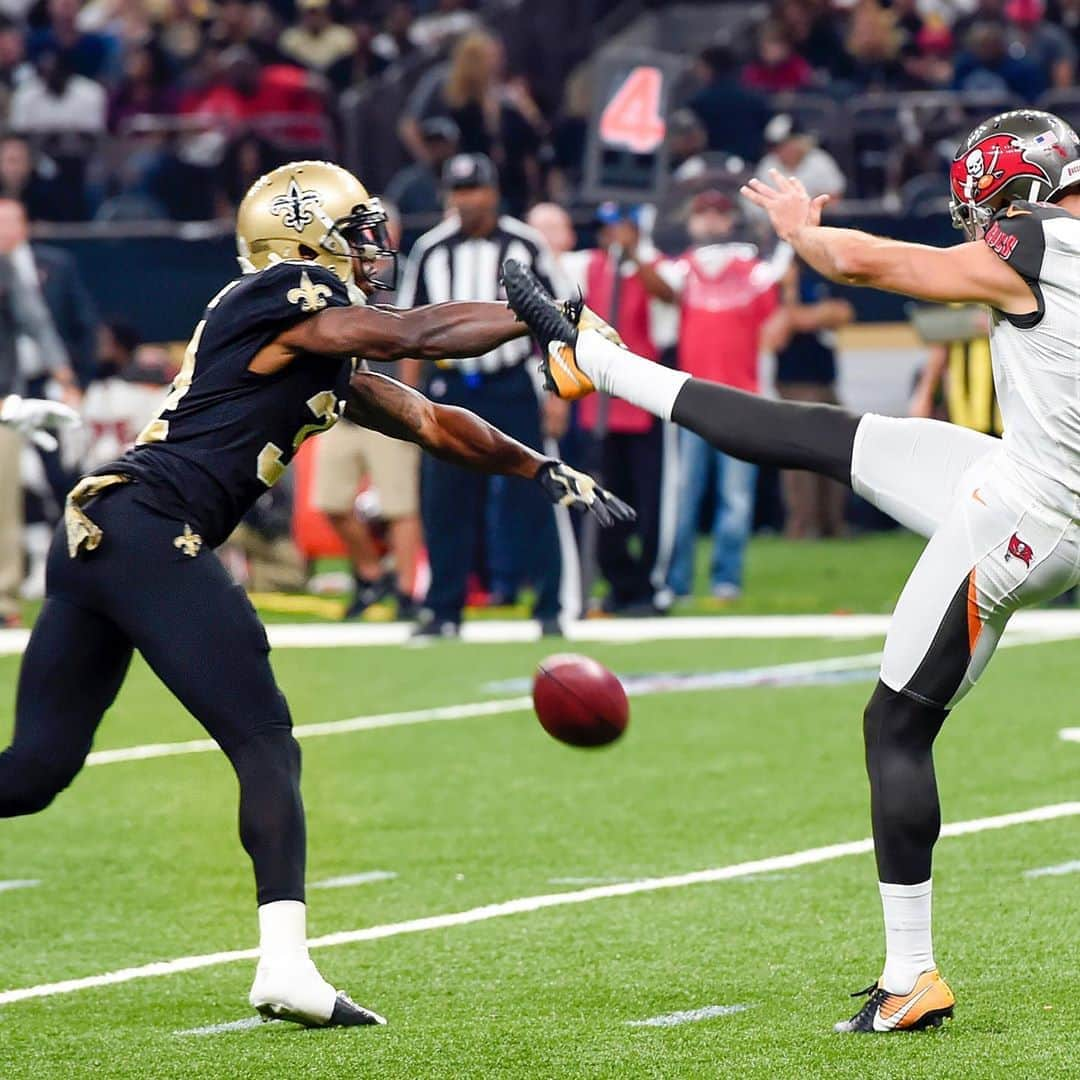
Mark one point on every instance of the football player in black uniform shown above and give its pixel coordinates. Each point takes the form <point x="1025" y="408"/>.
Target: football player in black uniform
<point x="133" y="566"/>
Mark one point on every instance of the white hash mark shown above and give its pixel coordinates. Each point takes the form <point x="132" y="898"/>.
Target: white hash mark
<point x="1055" y="871"/>
<point x="346" y="880"/>
<point x="689" y="1016"/>
<point x="18" y="883"/>
<point x="232" y="1025"/>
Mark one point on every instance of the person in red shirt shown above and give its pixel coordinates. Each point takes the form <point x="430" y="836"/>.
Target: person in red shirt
<point x="726" y="294"/>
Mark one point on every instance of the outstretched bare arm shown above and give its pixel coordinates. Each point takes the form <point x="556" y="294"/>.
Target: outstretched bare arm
<point x="969" y="273"/>
<point x="434" y="332"/>
<point x="457" y="435"/>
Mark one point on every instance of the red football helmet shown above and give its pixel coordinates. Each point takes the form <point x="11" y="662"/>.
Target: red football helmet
<point x="1025" y="154"/>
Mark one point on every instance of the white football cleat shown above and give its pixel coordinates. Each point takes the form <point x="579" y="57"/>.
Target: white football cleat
<point x="297" y="992"/>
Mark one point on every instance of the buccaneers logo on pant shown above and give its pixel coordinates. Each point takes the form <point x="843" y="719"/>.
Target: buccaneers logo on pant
<point x="1018" y="549"/>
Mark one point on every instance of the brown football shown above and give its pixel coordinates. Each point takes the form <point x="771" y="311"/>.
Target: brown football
<point x="579" y="701"/>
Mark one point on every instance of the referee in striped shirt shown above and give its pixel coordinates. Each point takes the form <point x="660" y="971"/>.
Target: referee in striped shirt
<point x="461" y="259"/>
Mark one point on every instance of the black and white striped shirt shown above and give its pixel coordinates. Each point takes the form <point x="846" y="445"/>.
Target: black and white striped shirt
<point x="446" y="265"/>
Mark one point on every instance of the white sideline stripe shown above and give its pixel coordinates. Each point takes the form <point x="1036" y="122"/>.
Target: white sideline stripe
<point x="534" y="903"/>
<point x="1054" y="871"/>
<point x="586" y="880"/>
<point x="330" y="727"/>
<point x="522" y="703"/>
<point x="688" y="1016"/>
<point x="1070" y="734"/>
<point x="346" y="880"/>
<point x="615" y="631"/>
<point x="232" y="1025"/>
<point x="18" y="883"/>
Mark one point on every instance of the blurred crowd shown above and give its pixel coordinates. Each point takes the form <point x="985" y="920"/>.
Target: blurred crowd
<point x="167" y="109"/>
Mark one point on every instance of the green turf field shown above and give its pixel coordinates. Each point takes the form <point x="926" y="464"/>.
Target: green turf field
<point x="139" y="862"/>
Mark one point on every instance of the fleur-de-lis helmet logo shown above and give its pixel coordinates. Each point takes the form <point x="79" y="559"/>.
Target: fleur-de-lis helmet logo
<point x="294" y="206"/>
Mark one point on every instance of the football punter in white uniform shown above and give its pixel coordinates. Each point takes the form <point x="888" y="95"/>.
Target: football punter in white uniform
<point x="1001" y="516"/>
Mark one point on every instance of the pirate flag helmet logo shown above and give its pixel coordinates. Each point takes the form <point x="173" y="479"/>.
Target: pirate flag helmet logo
<point x="1024" y="154"/>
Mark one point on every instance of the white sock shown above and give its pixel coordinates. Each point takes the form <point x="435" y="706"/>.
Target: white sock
<point x="909" y="948"/>
<point x="282" y="933"/>
<point x="624" y="374"/>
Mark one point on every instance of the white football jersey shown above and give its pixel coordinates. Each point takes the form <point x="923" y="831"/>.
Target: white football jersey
<point x="1036" y="357"/>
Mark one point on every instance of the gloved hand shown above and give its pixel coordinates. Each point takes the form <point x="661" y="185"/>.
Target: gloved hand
<point x="568" y="487"/>
<point x="37" y="418"/>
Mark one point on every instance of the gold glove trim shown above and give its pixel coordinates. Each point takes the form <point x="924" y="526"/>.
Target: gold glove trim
<point x="81" y="531"/>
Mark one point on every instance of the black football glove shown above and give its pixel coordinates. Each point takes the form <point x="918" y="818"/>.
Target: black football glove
<point x="568" y="487"/>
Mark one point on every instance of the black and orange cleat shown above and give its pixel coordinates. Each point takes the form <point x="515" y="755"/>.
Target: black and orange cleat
<point x="555" y="327"/>
<point x="927" y="1005"/>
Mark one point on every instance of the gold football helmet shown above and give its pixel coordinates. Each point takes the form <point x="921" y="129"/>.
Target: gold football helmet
<point x="318" y="211"/>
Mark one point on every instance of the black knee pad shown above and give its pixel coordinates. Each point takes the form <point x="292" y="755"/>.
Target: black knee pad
<point x="28" y="784"/>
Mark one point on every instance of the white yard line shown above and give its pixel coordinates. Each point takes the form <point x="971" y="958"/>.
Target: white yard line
<point x="347" y="880"/>
<point x="627" y="631"/>
<point x="586" y="880"/>
<point x="534" y="903"/>
<point x="19" y="883"/>
<point x="688" y="1016"/>
<point x="1054" y="871"/>
<point x="330" y="727"/>
<point x="1070" y="734"/>
<point x="763" y="676"/>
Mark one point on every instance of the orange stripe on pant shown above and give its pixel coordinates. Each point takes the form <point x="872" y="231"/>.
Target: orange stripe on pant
<point x="973" y="620"/>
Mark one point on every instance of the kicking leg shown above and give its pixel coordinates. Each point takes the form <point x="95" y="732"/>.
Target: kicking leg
<point x="911" y="469"/>
<point x="71" y="672"/>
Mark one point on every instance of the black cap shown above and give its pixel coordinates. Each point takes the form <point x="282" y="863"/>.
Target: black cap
<point x="469" y="171"/>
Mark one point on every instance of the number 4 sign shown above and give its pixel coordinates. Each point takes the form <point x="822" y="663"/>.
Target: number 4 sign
<point x="626" y="153"/>
<point x="632" y="117"/>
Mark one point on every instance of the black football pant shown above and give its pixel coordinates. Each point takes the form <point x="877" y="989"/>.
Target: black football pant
<point x="630" y="465"/>
<point x="199" y="633"/>
<point x="899" y="727"/>
<point x="452" y="500"/>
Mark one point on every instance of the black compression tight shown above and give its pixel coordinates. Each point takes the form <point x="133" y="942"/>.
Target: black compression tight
<point x="788" y="435"/>
<point x="899" y="732"/>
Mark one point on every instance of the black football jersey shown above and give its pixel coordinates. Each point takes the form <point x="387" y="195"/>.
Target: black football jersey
<point x="225" y="434"/>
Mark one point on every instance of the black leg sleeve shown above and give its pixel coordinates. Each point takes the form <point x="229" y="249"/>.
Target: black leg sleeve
<point x="899" y="733"/>
<point x="272" y="813"/>
<point x="786" y="434"/>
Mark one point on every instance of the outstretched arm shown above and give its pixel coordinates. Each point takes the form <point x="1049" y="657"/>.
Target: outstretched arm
<point x="434" y="332"/>
<point x="966" y="273"/>
<point x="457" y="435"/>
